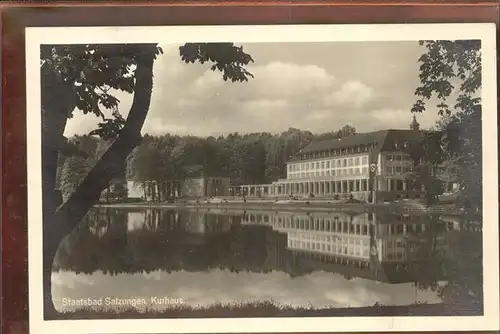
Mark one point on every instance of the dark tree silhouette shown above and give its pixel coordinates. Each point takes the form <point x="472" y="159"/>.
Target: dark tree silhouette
<point x="451" y="70"/>
<point x="83" y="78"/>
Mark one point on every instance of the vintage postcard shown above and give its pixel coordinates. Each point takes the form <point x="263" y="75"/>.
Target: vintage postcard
<point x="262" y="178"/>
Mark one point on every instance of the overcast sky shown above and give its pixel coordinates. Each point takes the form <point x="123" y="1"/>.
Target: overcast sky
<point x="312" y="86"/>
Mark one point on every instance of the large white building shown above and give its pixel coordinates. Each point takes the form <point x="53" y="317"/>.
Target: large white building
<point x="369" y="166"/>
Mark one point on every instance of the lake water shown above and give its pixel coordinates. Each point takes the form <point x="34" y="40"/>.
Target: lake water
<point x="168" y="257"/>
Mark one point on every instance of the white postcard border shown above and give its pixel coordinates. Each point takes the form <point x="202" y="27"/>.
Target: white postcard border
<point x="36" y="36"/>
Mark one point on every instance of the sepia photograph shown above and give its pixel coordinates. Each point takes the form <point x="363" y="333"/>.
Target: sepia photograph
<point x="262" y="176"/>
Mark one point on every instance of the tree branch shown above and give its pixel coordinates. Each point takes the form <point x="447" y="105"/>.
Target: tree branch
<point x="89" y="191"/>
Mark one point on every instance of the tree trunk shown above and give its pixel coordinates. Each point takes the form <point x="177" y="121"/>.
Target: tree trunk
<point x="57" y="103"/>
<point x="60" y="223"/>
<point x="151" y="191"/>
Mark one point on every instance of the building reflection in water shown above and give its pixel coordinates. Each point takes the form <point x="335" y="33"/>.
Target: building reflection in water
<point x="388" y="248"/>
<point x="381" y="247"/>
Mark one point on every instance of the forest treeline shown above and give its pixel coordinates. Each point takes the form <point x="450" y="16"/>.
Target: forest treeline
<point x="245" y="158"/>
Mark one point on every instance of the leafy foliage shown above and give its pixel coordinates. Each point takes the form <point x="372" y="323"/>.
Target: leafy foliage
<point x="461" y="264"/>
<point x="281" y="147"/>
<point x="73" y="169"/>
<point x="345" y="131"/>
<point x="97" y="71"/>
<point x="427" y="156"/>
<point x="245" y="158"/>
<point x="226" y="58"/>
<point x="452" y="69"/>
<point x="444" y="65"/>
<point x="85" y="77"/>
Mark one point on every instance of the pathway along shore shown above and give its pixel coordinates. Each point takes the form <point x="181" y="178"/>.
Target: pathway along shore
<point x="291" y="205"/>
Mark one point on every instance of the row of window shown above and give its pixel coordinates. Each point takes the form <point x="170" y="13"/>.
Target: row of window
<point x="348" y="171"/>
<point x="351" y="150"/>
<point x="327" y="225"/>
<point x="395" y="256"/>
<point x="350" y="250"/>
<point x="328" y="258"/>
<point x="321" y="222"/>
<point x="329" y="238"/>
<point x="327" y="164"/>
<point x="396" y="244"/>
<point x="334" y="240"/>
<point x="399" y="185"/>
<point x="316" y="221"/>
<point x="336" y="249"/>
<point x="397" y="170"/>
<point x="363" y="171"/>
<point x="398" y="157"/>
<point x="342" y="172"/>
<point x="339" y="151"/>
<point x="337" y="225"/>
<point x="327" y="187"/>
<point x="217" y="181"/>
<point x="363" y="219"/>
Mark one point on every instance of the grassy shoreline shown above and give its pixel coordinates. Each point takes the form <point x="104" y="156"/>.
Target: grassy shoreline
<point x="268" y="309"/>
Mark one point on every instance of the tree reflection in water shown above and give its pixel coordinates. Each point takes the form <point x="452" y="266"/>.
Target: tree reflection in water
<point x="439" y="253"/>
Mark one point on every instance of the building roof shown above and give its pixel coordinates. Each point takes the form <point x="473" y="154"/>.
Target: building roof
<point x="384" y="138"/>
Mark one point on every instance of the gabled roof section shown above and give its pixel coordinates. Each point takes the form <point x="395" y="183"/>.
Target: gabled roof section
<point x="357" y="139"/>
<point x="385" y="140"/>
<point x="399" y="137"/>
